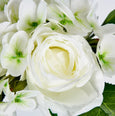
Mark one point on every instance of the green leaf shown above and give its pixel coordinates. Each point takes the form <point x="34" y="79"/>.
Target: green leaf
<point x="16" y="85"/>
<point x="108" y="106"/>
<point x="2" y="96"/>
<point x="95" y="112"/>
<point x="20" y="86"/>
<point x="110" y="18"/>
<point x="52" y="114"/>
<point x="93" y="43"/>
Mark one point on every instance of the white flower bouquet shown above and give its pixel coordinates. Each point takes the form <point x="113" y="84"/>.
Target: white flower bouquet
<point x="55" y="57"/>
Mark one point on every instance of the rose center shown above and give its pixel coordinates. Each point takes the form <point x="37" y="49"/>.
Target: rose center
<point x="57" y="59"/>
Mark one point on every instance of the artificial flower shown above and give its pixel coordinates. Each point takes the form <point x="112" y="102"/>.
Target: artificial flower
<point x="14" y="54"/>
<point x="77" y="17"/>
<point x="65" y="73"/>
<point x="21" y="100"/>
<point x="55" y="58"/>
<point x="105" y="52"/>
<point x="31" y="14"/>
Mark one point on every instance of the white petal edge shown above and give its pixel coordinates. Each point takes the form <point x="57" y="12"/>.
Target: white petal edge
<point x="42" y="11"/>
<point x="27" y="10"/>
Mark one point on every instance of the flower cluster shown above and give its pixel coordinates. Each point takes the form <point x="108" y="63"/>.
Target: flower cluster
<point x="53" y="56"/>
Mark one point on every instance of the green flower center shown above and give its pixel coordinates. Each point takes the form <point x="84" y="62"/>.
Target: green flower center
<point x="34" y="24"/>
<point x="102" y="58"/>
<point x="64" y="19"/>
<point x="18" y="55"/>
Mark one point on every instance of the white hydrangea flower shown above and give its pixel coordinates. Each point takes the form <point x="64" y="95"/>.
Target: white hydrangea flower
<point x="106" y="53"/>
<point x="65" y="72"/>
<point x="65" y="18"/>
<point x="84" y="12"/>
<point x="14" y="53"/>
<point x="77" y="17"/>
<point x="25" y="100"/>
<point x="22" y="100"/>
<point x="31" y="14"/>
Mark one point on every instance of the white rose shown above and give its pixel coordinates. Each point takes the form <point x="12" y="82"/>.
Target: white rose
<point x="106" y="53"/>
<point x="64" y="70"/>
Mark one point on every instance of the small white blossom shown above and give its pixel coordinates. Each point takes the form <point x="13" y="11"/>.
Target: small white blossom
<point x="106" y="53"/>
<point x="76" y="18"/>
<point x="22" y="100"/>
<point x="14" y="53"/>
<point x="31" y="14"/>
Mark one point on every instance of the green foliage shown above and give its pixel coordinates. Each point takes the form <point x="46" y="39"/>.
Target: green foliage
<point x="52" y="114"/>
<point x="110" y="18"/>
<point x="92" y="42"/>
<point x="95" y="112"/>
<point x="1" y="78"/>
<point x="16" y="85"/>
<point x="2" y="96"/>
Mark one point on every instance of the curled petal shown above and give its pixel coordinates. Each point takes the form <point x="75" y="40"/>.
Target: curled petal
<point x="11" y="10"/>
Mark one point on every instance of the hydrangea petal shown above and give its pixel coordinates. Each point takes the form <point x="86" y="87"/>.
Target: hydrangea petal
<point x="11" y="10"/>
<point x="27" y="15"/>
<point x="42" y="12"/>
<point x="27" y="9"/>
